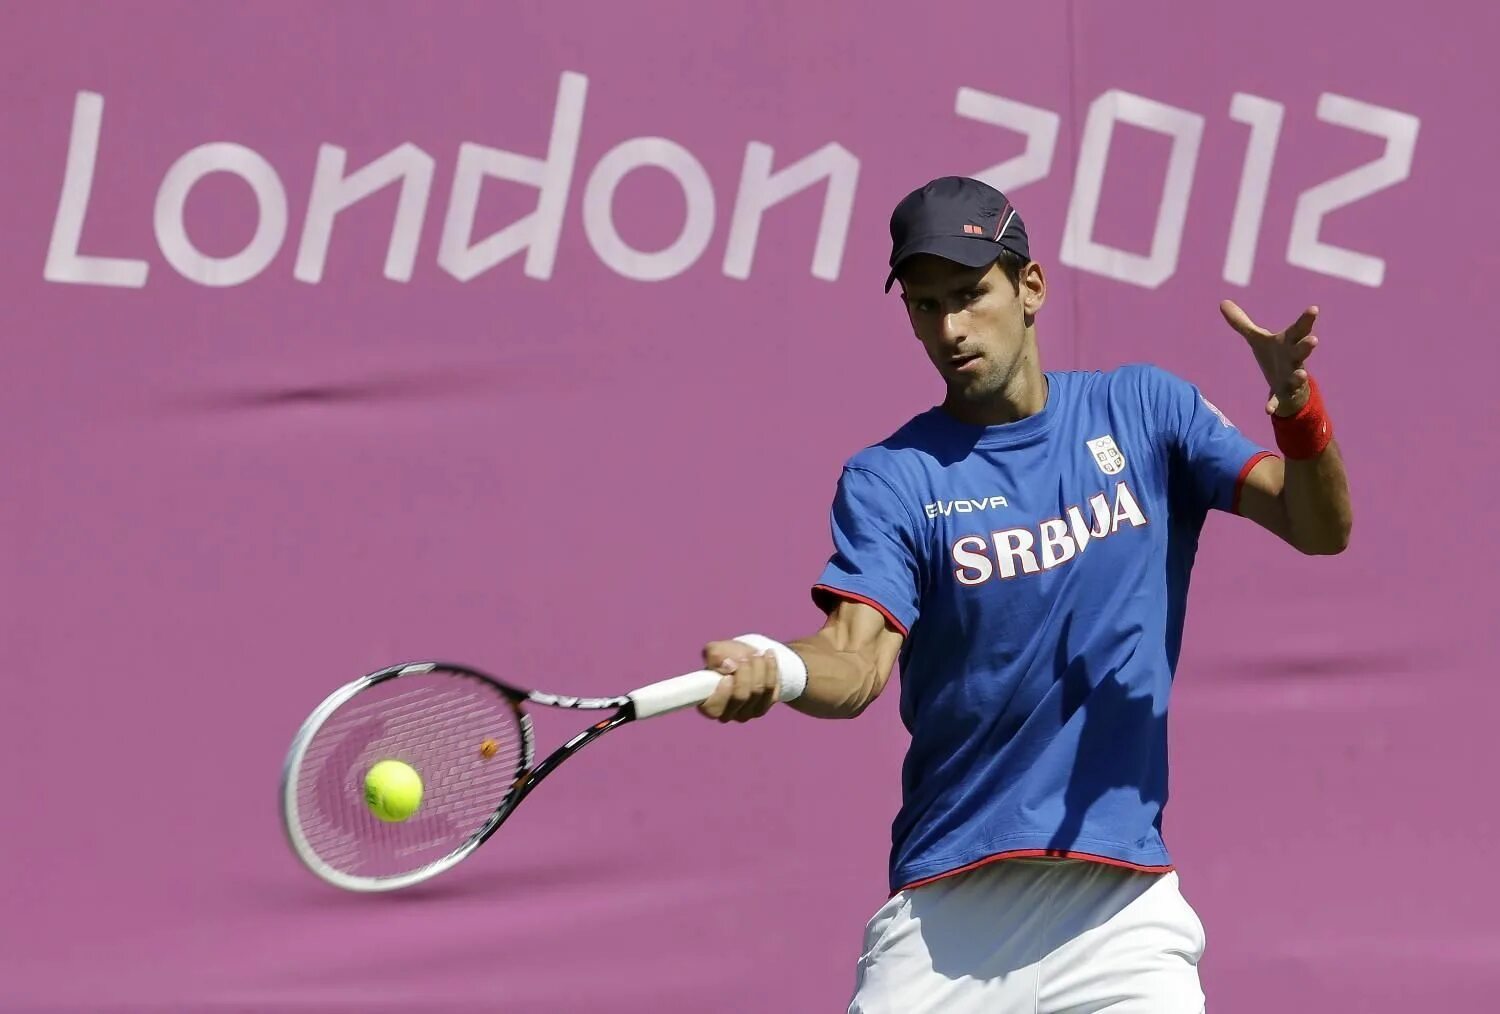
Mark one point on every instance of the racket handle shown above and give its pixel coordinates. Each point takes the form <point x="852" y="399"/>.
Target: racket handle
<point x="675" y="694"/>
<point x="694" y="688"/>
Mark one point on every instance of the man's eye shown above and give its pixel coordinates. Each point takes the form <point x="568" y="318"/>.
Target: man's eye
<point x="926" y="306"/>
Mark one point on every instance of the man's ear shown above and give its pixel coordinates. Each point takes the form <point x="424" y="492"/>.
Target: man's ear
<point x="1033" y="291"/>
<point x="1033" y="287"/>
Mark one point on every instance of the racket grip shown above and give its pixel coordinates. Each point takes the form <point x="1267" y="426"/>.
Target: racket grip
<point x="694" y="688"/>
<point x="675" y="694"/>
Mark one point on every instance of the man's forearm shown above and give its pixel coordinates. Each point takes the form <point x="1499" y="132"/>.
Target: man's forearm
<point x="841" y="681"/>
<point x="847" y="662"/>
<point x="1315" y="493"/>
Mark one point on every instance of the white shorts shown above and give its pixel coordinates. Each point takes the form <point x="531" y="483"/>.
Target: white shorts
<point x="1024" y="936"/>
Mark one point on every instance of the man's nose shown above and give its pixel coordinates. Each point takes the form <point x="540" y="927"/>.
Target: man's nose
<point x="954" y="327"/>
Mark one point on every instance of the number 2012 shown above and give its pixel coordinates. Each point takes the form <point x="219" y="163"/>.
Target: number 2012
<point x="1185" y="129"/>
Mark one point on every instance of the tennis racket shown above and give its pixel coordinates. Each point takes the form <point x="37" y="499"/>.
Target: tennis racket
<point x="469" y="739"/>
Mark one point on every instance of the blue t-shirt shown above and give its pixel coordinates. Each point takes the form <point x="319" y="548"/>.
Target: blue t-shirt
<point x="1039" y="570"/>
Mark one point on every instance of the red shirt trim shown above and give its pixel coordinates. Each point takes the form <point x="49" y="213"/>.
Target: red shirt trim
<point x="1239" y="483"/>
<point x="854" y="597"/>
<point x="1036" y="854"/>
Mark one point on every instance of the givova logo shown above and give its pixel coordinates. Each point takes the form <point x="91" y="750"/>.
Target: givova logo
<point x="943" y="508"/>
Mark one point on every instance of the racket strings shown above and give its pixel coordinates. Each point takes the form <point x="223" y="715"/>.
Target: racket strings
<point x="463" y="738"/>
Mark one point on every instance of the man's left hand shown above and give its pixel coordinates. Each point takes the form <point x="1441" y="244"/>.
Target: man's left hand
<point x="1280" y="355"/>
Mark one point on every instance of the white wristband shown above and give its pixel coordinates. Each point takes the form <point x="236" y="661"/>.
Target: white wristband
<point x="789" y="665"/>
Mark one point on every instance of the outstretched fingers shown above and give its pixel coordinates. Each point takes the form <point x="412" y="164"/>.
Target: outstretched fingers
<point x="1303" y="325"/>
<point x="1240" y="320"/>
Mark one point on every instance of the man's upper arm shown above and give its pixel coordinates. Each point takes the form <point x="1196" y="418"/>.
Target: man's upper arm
<point x="1260" y="497"/>
<point x="870" y="588"/>
<point x="1315" y="517"/>
<point x="860" y="629"/>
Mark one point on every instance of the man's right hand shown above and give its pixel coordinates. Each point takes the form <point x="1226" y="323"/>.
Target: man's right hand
<point x="848" y="663"/>
<point x="750" y="684"/>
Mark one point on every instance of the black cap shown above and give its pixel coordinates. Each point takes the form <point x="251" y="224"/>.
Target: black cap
<point x="958" y="219"/>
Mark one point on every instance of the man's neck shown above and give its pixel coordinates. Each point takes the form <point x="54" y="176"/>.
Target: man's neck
<point x="1025" y="395"/>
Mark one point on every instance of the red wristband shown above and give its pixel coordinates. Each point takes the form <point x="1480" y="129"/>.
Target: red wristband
<point x="1305" y="434"/>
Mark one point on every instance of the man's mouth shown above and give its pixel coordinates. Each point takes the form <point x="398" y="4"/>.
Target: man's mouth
<point x="962" y="363"/>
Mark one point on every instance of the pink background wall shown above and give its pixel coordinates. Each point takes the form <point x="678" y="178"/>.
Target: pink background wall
<point x="218" y="502"/>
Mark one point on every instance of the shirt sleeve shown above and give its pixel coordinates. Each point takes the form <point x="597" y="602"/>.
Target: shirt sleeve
<point x="1214" y="455"/>
<point x="874" y="557"/>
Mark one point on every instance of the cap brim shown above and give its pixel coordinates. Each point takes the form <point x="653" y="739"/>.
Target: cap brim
<point x="970" y="251"/>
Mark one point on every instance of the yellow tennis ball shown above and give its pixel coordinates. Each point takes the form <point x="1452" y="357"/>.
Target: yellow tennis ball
<point x="393" y="790"/>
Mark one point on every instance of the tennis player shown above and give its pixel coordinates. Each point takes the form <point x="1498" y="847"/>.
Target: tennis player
<point x="1024" y="549"/>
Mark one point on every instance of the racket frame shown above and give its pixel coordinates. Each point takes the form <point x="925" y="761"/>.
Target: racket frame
<point x="528" y="774"/>
<point x="659" y="698"/>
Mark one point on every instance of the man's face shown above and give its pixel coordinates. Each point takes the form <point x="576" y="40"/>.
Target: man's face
<point x="971" y="321"/>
